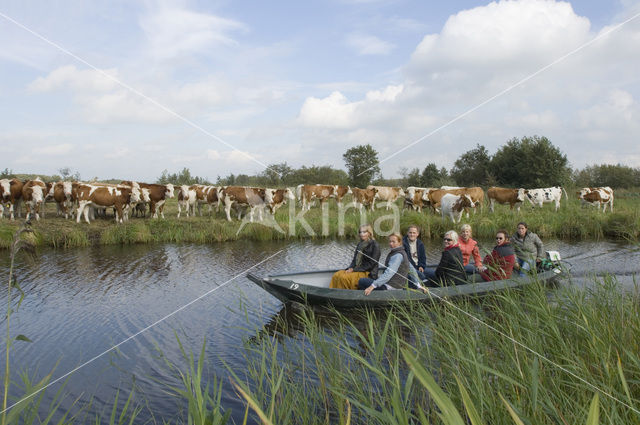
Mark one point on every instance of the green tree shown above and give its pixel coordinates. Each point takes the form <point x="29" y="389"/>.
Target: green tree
<point x="178" y="179"/>
<point x="615" y="176"/>
<point x="530" y="162"/>
<point x="434" y="177"/>
<point x="362" y="165"/>
<point x="276" y="174"/>
<point x="315" y="174"/>
<point x="472" y="168"/>
<point x="6" y="174"/>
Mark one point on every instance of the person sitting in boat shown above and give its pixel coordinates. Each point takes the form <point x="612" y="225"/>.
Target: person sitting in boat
<point x="450" y="270"/>
<point x="469" y="248"/>
<point x="397" y="272"/>
<point x="499" y="263"/>
<point x="414" y="248"/>
<point x="364" y="262"/>
<point x="529" y="248"/>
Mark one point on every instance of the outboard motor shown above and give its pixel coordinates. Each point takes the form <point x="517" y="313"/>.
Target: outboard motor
<point x="552" y="261"/>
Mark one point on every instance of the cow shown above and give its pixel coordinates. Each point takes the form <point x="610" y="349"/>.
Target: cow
<point x="597" y="196"/>
<point x="252" y="197"/>
<point x="5" y="193"/>
<point x="62" y="194"/>
<point x="278" y="198"/>
<point x="450" y="187"/>
<point x="187" y="199"/>
<point x="105" y="196"/>
<point x="542" y="196"/>
<point x="33" y="194"/>
<point x="415" y="198"/>
<point x="307" y="193"/>
<point x="341" y="192"/>
<point x="364" y="197"/>
<point x="435" y="196"/>
<point x="388" y="194"/>
<point x="453" y="206"/>
<point x="158" y="194"/>
<point x="13" y="198"/>
<point x="212" y="196"/>
<point x="503" y="195"/>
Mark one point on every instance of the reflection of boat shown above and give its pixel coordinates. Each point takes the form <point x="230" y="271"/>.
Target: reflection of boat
<point x="313" y="288"/>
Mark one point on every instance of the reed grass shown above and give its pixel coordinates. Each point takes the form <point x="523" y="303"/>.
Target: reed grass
<point x="571" y="222"/>
<point x="534" y="356"/>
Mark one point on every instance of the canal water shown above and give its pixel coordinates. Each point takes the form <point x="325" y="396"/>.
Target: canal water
<point x="80" y="303"/>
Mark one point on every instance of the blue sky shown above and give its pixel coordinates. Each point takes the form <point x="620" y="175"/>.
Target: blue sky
<point x="128" y="89"/>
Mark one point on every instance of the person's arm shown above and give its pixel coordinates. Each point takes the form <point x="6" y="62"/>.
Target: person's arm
<point x="476" y="256"/>
<point x="539" y="247"/>
<point x="392" y="269"/>
<point x="445" y="263"/>
<point x="422" y="256"/>
<point x="353" y="260"/>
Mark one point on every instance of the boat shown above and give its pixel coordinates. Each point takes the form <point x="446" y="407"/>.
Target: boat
<point x="312" y="287"/>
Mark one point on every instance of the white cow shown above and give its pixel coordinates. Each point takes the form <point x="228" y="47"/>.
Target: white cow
<point x="453" y="206"/>
<point x="187" y="199"/>
<point x="389" y="194"/>
<point x="542" y="196"/>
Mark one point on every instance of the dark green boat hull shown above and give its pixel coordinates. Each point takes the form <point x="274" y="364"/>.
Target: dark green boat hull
<point x="287" y="289"/>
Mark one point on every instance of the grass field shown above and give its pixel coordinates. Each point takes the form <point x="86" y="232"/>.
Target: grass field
<point x="571" y="222"/>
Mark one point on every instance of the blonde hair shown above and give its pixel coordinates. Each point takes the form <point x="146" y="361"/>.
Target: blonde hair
<point x="465" y="227"/>
<point x="398" y="236"/>
<point x="368" y="228"/>
<point x="453" y="235"/>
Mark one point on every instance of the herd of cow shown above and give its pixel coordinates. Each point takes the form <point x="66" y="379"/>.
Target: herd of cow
<point x="88" y="199"/>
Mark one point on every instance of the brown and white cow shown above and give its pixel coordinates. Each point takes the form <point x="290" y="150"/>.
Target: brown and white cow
<point x="503" y="195"/>
<point x="5" y="192"/>
<point x="62" y="194"/>
<point x="364" y="197"/>
<point x="341" y="192"/>
<point x="33" y="194"/>
<point x="187" y="199"/>
<point x="116" y="196"/>
<point x="597" y="196"/>
<point x="13" y="198"/>
<point x="278" y="198"/>
<point x="415" y="198"/>
<point x="240" y="196"/>
<point x="212" y="197"/>
<point x="308" y="192"/>
<point x="158" y="195"/>
<point x="454" y="205"/>
<point x="388" y="194"/>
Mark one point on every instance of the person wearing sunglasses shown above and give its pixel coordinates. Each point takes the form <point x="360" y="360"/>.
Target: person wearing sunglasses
<point x="499" y="263"/>
<point x="450" y="270"/>
<point x="364" y="262"/>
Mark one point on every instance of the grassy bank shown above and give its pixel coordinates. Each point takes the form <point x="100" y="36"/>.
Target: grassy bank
<point x="571" y="222"/>
<point x="537" y="355"/>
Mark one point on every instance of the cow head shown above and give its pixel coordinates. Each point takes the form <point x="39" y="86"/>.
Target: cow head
<point x="37" y="193"/>
<point x="583" y="192"/>
<point x="145" y="194"/>
<point x="135" y="194"/>
<point x="521" y="194"/>
<point x="67" y="188"/>
<point x="169" y="190"/>
<point x="288" y="194"/>
<point x="5" y="188"/>
<point x="467" y="202"/>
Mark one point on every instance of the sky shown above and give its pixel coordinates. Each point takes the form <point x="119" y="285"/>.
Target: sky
<point x="126" y="89"/>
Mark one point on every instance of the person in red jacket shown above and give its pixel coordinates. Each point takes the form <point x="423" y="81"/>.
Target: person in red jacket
<point x="469" y="248"/>
<point x="499" y="263"/>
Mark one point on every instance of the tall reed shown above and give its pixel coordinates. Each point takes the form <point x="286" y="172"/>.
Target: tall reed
<point x="537" y="356"/>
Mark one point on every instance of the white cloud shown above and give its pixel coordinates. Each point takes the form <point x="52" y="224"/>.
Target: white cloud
<point x="366" y="44"/>
<point x="55" y="150"/>
<point x="174" y="31"/>
<point x="334" y="111"/>
<point x="71" y="77"/>
<point x="232" y="158"/>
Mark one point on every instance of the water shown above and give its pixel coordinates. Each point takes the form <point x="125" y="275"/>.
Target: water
<point x="80" y="303"/>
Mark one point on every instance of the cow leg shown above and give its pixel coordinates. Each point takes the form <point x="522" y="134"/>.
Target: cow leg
<point x="227" y="208"/>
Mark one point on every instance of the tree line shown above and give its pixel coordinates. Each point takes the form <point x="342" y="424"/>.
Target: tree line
<point x="526" y="162"/>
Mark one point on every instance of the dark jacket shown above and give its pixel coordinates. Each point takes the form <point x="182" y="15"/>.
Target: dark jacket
<point x="370" y="258"/>
<point x="422" y="253"/>
<point x="451" y="270"/>
<point x="499" y="263"/>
